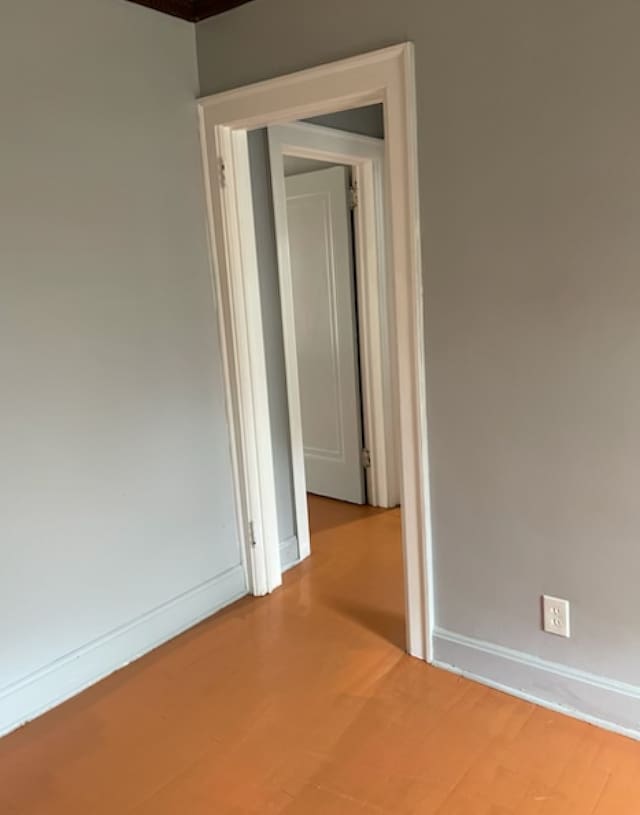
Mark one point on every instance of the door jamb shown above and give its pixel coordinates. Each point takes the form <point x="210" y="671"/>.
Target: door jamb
<point x="386" y="76"/>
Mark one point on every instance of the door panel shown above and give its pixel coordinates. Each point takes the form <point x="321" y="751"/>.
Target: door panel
<point x="320" y="248"/>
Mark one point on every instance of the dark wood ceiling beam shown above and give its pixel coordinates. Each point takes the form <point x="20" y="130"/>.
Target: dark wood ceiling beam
<point x="176" y="8"/>
<point x="192" y="10"/>
<point x="209" y="8"/>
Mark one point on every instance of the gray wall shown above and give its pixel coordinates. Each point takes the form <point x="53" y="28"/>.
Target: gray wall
<point x="115" y="488"/>
<point x="529" y="148"/>
<point x="272" y="326"/>
<point x="367" y="121"/>
<point x="294" y="165"/>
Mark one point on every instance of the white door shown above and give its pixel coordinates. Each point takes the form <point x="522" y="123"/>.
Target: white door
<point x="323" y="282"/>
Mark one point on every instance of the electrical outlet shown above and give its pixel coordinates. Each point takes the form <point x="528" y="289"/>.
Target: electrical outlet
<point x="556" y="616"/>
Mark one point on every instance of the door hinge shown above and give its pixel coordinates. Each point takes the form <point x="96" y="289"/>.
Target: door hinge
<point x="222" y="170"/>
<point x="252" y="534"/>
<point x="353" y="195"/>
<point x="366" y="458"/>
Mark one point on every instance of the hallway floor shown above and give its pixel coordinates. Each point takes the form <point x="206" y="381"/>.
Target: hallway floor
<point x="304" y="702"/>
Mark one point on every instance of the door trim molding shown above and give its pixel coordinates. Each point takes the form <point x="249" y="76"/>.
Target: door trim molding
<point x="386" y="76"/>
<point x="376" y="321"/>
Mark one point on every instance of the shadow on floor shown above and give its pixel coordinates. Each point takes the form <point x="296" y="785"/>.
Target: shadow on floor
<point x="389" y="625"/>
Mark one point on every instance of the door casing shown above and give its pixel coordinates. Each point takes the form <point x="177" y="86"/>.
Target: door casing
<point x="386" y="76"/>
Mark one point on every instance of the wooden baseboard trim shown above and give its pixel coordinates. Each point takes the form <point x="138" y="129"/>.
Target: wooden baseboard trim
<point x="599" y="700"/>
<point x="47" y="687"/>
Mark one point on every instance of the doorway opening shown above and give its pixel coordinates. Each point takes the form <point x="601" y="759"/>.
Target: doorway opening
<point x="384" y="77"/>
<point x="321" y="214"/>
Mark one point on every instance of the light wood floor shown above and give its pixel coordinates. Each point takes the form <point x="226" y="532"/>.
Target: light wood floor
<point x="303" y="702"/>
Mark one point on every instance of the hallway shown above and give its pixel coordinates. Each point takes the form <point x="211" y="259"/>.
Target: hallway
<point x="304" y="702"/>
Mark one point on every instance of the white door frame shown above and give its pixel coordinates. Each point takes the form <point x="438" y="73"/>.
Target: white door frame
<point x="386" y="76"/>
<point x="375" y="312"/>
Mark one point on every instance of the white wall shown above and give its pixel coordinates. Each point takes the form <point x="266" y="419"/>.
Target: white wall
<point x="115" y="488"/>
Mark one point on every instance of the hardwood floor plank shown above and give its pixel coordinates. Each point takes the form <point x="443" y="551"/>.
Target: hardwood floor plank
<point x="304" y="702"/>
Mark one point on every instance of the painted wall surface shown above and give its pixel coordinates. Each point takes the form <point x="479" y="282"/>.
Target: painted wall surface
<point x="367" y="121"/>
<point x="294" y="165"/>
<point x="274" y="344"/>
<point x="115" y="487"/>
<point x="529" y="149"/>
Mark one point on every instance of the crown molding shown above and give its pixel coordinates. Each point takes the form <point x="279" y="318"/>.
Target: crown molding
<point x="192" y="10"/>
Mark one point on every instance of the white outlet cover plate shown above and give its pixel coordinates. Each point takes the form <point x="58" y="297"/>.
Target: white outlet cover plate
<point x="556" y="616"/>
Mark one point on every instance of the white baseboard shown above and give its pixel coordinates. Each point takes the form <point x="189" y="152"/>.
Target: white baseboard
<point x="31" y="696"/>
<point x="289" y="555"/>
<point x="598" y="700"/>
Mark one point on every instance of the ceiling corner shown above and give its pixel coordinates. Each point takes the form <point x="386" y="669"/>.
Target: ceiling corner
<point x="203" y="9"/>
<point x="192" y="10"/>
